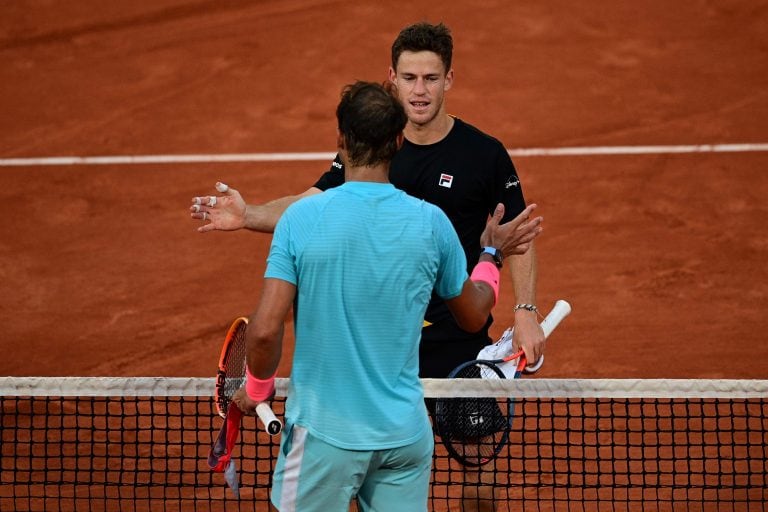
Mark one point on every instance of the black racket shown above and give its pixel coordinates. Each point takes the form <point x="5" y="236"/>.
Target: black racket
<point x="474" y="430"/>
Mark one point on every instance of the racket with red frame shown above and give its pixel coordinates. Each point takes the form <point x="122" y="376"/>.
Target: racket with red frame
<point x="230" y="377"/>
<point x="474" y="430"/>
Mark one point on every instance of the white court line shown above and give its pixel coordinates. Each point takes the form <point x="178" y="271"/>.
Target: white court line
<point x="296" y="157"/>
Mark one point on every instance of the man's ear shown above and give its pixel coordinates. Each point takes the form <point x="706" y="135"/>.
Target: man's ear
<point x="341" y="145"/>
<point x="448" y="80"/>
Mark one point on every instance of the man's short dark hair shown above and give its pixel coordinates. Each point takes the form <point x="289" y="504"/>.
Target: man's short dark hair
<point x="421" y="37"/>
<point x="370" y="119"/>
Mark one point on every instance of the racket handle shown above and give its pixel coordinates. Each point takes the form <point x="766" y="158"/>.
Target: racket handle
<point x="272" y="425"/>
<point x="561" y="310"/>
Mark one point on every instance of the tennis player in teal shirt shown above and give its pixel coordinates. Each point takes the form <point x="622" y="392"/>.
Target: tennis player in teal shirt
<point x="358" y="264"/>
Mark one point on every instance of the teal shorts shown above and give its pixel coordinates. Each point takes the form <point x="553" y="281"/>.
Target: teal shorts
<point x="312" y="475"/>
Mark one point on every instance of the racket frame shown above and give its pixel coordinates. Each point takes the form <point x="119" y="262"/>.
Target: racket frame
<point x="221" y="399"/>
<point x="560" y="310"/>
<point x="271" y="423"/>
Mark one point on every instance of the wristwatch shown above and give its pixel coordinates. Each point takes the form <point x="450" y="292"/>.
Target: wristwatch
<point x="497" y="255"/>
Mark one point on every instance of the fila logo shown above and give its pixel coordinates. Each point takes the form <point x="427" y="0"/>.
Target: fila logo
<point x="336" y="164"/>
<point x="446" y="180"/>
<point x="512" y="181"/>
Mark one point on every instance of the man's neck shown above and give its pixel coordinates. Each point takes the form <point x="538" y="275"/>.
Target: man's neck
<point x="376" y="174"/>
<point x="430" y="133"/>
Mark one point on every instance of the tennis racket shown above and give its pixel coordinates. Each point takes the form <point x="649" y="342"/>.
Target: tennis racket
<point x="474" y="430"/>
<point x="230" y="377"/>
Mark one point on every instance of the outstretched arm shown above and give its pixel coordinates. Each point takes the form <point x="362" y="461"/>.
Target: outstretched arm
<point x="229" y="212"/>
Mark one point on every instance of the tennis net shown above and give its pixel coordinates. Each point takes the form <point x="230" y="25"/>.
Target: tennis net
<point x="135" y="444"/>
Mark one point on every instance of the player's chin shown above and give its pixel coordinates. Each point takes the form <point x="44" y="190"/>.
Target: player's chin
<point x="420" y="115"/>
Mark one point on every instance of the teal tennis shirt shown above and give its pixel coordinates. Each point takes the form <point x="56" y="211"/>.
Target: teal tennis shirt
<point x="365" y="258"/>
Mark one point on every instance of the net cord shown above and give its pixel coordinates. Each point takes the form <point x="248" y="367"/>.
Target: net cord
<point x="433" y="388"/>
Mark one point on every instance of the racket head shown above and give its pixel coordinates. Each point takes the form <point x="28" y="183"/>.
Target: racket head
<point x="474" y="430"/>
<point x="230" y="375"/>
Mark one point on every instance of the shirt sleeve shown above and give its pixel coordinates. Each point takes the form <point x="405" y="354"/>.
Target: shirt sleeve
<point x="452" y="268"/>
<point x="281" y="262"/>
<point x="507" y="188"/>
<point x="333" y="177"/>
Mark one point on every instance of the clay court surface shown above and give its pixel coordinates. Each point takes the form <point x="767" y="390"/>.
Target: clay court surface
<point x="663" y="256"/>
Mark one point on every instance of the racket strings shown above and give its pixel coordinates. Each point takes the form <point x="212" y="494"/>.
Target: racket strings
<point x="232" y="371"/>
<point x="473" y="429"/>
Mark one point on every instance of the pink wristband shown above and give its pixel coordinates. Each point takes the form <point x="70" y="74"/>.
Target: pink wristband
<point x="258" y="390"/>
<point x="487" y="272"/>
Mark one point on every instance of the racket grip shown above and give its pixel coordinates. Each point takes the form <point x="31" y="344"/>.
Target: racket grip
<point x="561" y="310"/>
<point x="272" y="425"/>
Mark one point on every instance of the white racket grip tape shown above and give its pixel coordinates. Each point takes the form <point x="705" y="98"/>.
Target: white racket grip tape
<point x="272" y="425"/>
<point x="561" y="310"/>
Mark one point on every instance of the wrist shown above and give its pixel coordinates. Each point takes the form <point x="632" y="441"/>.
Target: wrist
<point x="257" y="389"/>
<point x="488" y="273"/>
<point x="485" y="257"/>
<point x="526" y="309"/>
<point x="497" y="257"/>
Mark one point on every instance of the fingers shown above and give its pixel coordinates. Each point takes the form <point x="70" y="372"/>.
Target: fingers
<point x="199" y="203"/>
<point x="498" y="214"/>
<point x="529" y="336"/>
<point x="245" y="404"/>
<point x="206" y="228"/>
<point x="525" y="214"/>
<point x="203" y="206"/>
<point x="519" y="249"/>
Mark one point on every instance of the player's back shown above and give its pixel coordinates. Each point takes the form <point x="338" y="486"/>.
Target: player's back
<point x="367" y="257"/>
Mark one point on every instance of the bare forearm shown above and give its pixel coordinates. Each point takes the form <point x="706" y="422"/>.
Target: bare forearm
<point x="473" y="314"/>
<point x="264" y="337"/>
<point x="264" y="350"/>
<point x="523" y="268"/>
<point x="264" y="217"/>
<point x="528" y="334"/>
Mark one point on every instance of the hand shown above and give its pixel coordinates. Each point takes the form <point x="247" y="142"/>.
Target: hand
<point x="245" y="404"/>
<point x="226" y="212"/>
<point x="528" y="336"/>
<point x="513" y="237"/>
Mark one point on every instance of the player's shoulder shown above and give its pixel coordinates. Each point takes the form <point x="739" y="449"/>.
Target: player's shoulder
<point x="474" y="135"/>
<point x="433" y="214"/>
<point x="309" y="205"/>
<point x="418" y="206"/>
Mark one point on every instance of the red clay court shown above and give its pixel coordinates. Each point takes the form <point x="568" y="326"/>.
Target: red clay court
<point x="662" y="255"/>
<point x="661" y="249"/>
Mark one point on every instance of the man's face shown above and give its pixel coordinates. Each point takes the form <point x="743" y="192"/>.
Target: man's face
<point x="421" y="82"/>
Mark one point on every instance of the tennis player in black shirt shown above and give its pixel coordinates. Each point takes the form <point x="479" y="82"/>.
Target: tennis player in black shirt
<point x="444" y="161"/>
